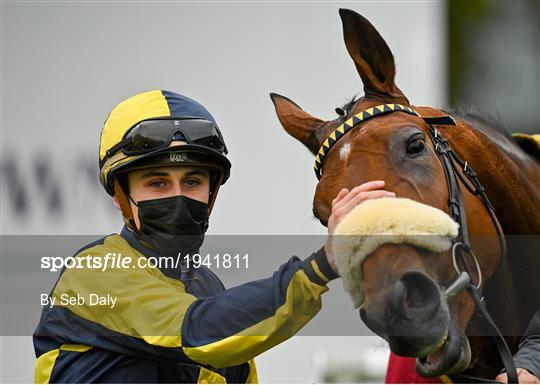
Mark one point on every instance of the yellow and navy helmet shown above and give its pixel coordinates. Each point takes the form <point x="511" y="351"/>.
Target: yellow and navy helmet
<point x="157" y="106"/>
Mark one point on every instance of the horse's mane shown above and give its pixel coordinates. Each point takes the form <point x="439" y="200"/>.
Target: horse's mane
<point x="349" y="105"/>
<point x="481" y="120"/>
<point x="493" y="127"/>
<point x="487" y="123"/>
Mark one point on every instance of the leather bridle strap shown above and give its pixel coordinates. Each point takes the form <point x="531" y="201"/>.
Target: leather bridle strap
<point x="455" y="199"/>
<point x="448" y="160"/>
<point x="470" y="180"/>
<point x="502" y="346"/>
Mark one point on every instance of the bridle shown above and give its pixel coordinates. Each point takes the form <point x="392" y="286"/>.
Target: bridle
<point x="455" y="170"/>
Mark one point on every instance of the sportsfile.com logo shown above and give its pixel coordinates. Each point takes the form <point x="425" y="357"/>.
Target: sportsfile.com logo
<point x="178" y="156"/>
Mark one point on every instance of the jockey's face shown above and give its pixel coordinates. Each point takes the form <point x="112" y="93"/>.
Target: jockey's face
<point x="166" y="181"/>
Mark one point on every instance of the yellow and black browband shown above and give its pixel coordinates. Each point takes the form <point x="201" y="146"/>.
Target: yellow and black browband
<point x="364" y="115"/>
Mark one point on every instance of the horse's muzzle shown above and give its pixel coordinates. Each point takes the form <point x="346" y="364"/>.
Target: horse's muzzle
<point x="415" y="320"/>
<point x="412" y="317"/>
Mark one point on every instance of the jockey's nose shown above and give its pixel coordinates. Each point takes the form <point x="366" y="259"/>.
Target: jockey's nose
<point x="415" y="297"/>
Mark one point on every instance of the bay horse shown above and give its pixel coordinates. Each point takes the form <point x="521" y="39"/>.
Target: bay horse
<point x="402" y="282"/>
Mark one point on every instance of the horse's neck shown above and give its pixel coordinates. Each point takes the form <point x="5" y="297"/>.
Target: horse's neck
<point x="511" y="177"/>
<point x="512" y="182"/>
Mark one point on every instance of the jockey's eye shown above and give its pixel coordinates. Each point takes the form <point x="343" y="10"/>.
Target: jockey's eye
<point x="416" y="145"/>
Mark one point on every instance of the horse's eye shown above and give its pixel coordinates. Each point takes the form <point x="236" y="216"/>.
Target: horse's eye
<point x="416" y="146"/>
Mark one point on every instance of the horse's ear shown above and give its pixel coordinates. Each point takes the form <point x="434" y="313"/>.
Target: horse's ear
<point x="372" y="57"/>
<point x="297" y="122"/>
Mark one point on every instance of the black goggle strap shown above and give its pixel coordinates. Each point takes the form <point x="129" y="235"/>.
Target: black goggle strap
<point x="365" y="115"/>
<point x="117" y="147"/>
<point x="128" y="140"/>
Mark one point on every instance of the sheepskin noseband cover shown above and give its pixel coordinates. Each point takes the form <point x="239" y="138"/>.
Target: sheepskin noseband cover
<point x="386" y="220"/>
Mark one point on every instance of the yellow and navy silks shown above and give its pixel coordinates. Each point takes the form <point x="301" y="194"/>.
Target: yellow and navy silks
<point x="528" y="143"/>
<point x="170" y="326"/>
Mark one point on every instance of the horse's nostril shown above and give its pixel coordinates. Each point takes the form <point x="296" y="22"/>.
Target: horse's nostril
<point x="420" y="290"/>
<point x="415" y="295"/>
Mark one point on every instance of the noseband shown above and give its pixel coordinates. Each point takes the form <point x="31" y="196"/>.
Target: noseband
<point x="455" y="170"/>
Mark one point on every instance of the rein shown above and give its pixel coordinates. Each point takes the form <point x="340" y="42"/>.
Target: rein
<point x="455" y="170"/>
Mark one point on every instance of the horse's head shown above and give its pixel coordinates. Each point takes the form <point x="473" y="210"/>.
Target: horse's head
<point x="403" y="283"/>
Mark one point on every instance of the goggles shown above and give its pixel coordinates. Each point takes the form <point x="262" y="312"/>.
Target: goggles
<point x="157" y="133"/>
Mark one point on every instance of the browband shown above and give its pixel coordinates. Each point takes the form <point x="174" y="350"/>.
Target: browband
<point x="364" y="115"/>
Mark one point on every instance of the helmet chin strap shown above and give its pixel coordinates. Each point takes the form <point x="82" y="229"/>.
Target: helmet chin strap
<point x="213" y="193"/>
<point x="125" y="207"/>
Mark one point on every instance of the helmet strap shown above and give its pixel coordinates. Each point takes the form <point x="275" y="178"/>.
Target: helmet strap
<point x="214" y="192"/>
<point x="125" y="207"/>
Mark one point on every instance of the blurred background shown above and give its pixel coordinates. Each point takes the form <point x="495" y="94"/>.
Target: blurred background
<point x="65" y="65"/>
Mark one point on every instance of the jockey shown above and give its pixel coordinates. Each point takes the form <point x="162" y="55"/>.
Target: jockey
<point x="163" y="159"/>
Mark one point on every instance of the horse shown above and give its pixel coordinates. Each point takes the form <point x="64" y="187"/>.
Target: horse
<point x="404" y="285"/>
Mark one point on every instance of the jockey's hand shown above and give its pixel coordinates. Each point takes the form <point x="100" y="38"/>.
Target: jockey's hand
<point x="347" y="200"/>
<point x="524" y="377"/>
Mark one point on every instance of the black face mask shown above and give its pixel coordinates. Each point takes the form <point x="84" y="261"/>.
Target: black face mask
<point x="172" y="225"/>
